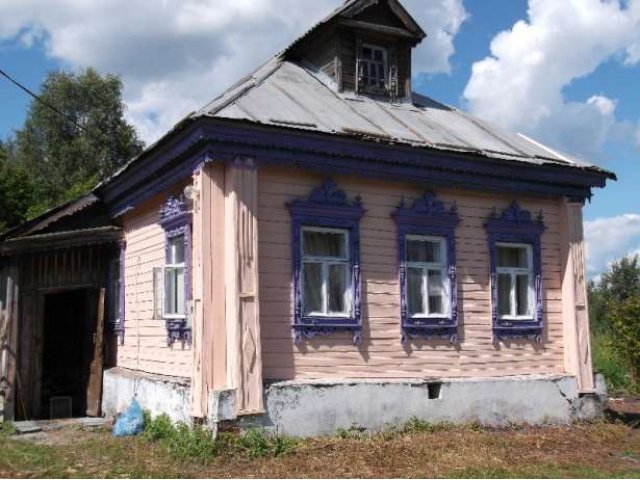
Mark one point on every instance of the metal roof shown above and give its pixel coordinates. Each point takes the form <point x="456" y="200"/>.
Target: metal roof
<point x="287" y="94"/>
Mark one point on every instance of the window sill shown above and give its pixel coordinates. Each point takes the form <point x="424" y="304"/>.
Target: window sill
<point x="504" y="333"/>
<point x="430" y="328"/>
<point x="311" y="327"/>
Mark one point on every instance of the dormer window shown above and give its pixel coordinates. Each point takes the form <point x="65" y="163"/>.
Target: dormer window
<point x="373" y="67"/>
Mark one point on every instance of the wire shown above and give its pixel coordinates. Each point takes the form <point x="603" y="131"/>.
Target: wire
<point x="43" y="102"/>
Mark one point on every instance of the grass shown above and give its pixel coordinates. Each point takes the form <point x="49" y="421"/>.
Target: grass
<point x="609" y="362"/>
<point x="598" y="450"/>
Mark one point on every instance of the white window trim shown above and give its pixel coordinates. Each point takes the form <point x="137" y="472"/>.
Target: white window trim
<point x="325" y="263"/>
<point x="515" y="272"/>
<point x="168" y="266"/>
<point x="426" y="266"/>
<point x="385" y="62"/>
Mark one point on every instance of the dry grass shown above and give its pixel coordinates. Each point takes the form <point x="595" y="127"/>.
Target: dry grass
<point x="597" y="450"/>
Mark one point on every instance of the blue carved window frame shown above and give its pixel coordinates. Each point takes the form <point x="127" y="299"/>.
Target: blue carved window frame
<point x="428" y="217"/>
<point x="176" y="219"/>
<point x="326" y="207"/>
<point x="516" y="226"/>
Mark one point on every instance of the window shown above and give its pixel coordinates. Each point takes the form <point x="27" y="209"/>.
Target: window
<point x="373" y="67"/>
<point x="427" y="269"/>
<point x="175" y="279"/>
<point x="427" y="282"/>
<point x="515" y="281"/>
<point x="514" y="239"/>
<point x="114" y="291"/>
<point x="172" y="282"/>
<point x="325" y="251"/>
<point x="325" y="272"/>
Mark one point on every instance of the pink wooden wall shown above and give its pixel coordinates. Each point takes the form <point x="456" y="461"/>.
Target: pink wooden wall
<point x="381" y="353"/>
<point x="145" y="345"/>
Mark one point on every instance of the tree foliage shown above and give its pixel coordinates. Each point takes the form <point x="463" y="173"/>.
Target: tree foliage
<point x="63" y="160"/>
<point x="615" y="311"/>
<point x="16" y="192"/>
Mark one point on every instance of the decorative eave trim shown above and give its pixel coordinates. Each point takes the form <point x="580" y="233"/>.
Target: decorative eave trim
<point x="515" y="224"/>
<point x="428" y="216"/>
<point x="208" y="139"/>
<point x="326" y="206"/>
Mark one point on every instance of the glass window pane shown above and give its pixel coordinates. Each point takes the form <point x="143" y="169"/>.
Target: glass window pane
<point x="176" y="250"/>
<point x="415" y="291"/>
<point x="324" y="244"/>
<point x="436" y="292"/>
<point x="378" y="55"/>
<point x="337" y="288"/>
<point x="435" y="305"/>
<point x="180" y="292"/>
<point x="312" y="288"/>
<point x="367" y="53"/>
<point x="512" y="257"/>
<point x="169" y="291"/>
<point x="504" y="294"/>
<point x="522" y="295"/>
<point x="425" y="251"/>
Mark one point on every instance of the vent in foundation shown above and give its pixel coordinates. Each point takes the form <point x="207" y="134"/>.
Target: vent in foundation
<point x="434" y="390"/>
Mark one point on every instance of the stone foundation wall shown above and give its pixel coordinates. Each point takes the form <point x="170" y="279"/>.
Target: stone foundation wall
<point x="309" y="408"/>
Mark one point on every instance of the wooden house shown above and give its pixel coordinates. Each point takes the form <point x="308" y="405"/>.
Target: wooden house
<point x="318" y="247"/>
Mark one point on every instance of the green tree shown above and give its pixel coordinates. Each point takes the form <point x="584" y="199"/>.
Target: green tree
<point x="614" y="305"/>
<point x="16" y="191"/>
<point x="625" y="320"/>
<point x="64" y="160"/>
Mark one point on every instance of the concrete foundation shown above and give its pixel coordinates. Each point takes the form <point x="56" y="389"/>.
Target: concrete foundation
<point x="309" y="408"/>
<point x="315" y="408"/>
<point x="156" y="393"/>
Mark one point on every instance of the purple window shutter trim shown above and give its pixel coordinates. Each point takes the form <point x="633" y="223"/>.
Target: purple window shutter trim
<point x="428" y="216"/>
<point x="326" y="206"/>
<point x="119" y="323"/>
<point x="518" y="226"/>
<point x="176" y="220"/>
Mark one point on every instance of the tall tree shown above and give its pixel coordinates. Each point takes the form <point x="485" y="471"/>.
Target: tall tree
<point x="16" y="191"/>
<point x="66" y="158"/>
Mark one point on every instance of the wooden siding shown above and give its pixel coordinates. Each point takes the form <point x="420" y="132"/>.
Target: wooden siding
<point x="145" y="346"/>
<point x="381" y="353"/>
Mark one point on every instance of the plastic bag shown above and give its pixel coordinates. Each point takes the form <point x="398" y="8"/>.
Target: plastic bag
<point x="130" y="422"/>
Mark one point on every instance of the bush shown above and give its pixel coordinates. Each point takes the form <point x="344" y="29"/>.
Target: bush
<point x="607" y="361"/>
<point x="191" y="443"/>
<point x="196" y="443"/>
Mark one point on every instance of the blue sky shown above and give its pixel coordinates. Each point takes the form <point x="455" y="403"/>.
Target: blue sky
<point x="566" y="73"/>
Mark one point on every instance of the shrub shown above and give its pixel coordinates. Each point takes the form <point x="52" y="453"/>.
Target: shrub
<point x="255" y="443"/>
<point x="607" y="361"/>
<point x="160" y="428"/>
<point x="194" y="443"/>
<point x="625" y="319"/>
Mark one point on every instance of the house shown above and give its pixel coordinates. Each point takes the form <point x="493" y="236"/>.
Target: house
<point x="318" y="247"/>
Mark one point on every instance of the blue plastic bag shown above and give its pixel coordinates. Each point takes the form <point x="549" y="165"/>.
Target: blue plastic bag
<point x="130" y="422"/>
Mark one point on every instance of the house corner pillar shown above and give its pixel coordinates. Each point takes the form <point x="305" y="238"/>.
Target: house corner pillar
<point x="577" y="342"/>
<point x="242" y="285"/>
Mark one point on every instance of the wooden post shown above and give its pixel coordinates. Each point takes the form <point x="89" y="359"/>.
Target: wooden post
<point x="243" y="313"/>
<point x="94" y="388"/>
<point x="577" y="343"/>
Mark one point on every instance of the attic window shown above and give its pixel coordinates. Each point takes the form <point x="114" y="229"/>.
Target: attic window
<point x="373" y="67"/>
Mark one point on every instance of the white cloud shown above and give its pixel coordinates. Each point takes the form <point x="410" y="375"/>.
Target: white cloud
<point x="638" y="136"/>
<point x="609" y="239"/>
<point x="176" y="55"/>
<point x="520" y="86"/>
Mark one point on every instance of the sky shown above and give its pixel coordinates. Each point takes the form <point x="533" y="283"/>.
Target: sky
<point x="565" y="72"/>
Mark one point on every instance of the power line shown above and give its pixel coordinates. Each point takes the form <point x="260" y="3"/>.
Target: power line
<point x="43" y="102"/>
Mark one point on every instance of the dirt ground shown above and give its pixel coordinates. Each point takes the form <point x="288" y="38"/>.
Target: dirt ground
<point x="599" y="450"/>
